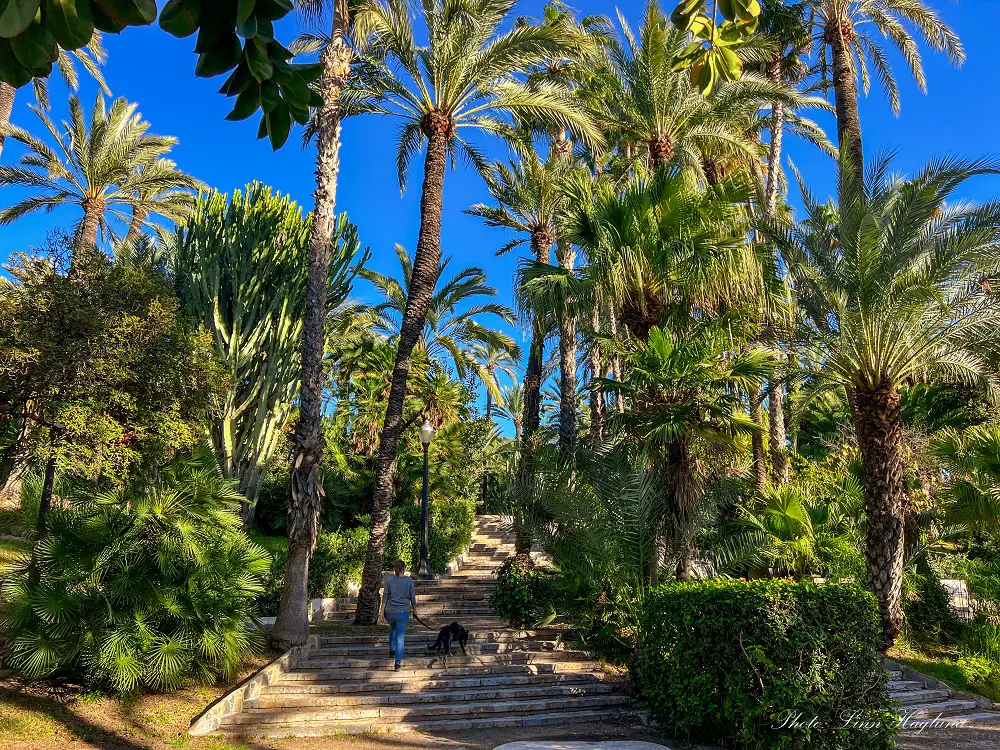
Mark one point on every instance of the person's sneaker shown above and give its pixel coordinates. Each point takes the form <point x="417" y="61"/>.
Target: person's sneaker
<point x="398" y="667"/>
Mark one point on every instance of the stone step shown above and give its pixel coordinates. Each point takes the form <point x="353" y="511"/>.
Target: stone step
<point x="436" y="662"/>
<point x="454" y="595"/>
<point x="415" y="685"/>
<point x="440" y="671"/>
<point x="905" y="685"/>
<point x="938" y="708"/>
<point x="300" y="700"/>
<point x="422" y="635"/>
<point x="446" y="583"/>
<point x="920" y="696"/>
<point x="895" y="675"/>
<point x="321" y="729"/>
<point x="434" y="621"/>
<point x="397" y="714"/>
<point x="370" y="650"/>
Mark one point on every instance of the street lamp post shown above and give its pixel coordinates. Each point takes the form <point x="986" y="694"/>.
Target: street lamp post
<point x="426" y="435"/>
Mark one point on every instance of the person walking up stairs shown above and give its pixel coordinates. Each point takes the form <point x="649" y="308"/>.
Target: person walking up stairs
<point x="509" y="678"/>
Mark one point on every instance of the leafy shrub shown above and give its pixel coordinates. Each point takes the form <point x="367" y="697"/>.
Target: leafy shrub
<point x="520" y="592"/>
<point x="141" y="585"/>
<point x="732" y="661"/>
<point x="930" y="620"/>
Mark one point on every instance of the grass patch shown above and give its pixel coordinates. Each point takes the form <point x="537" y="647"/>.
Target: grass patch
<point x="272" y="544"/>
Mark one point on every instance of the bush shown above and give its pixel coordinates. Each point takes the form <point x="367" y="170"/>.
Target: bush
<point x="732" y="661"/>
<point x="520" y="592"/>
<point x="140" y="586"/>
<point x="930" y="620"/>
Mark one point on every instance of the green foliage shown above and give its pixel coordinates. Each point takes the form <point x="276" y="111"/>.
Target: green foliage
<point x="712" y="56"/>
<point x="240" y="270"/>
<point x="232" y="34"/>
<point x="930" y="620"/>
<point x="731" y="661"/>
<point x="520" y="593"/>
<point x="140" y="586"/>
<point x="104" y="363"/>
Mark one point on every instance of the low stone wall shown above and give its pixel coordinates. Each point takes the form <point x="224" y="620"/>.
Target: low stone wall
<point x="232" y="702"/>
<point x="932" y="683"/>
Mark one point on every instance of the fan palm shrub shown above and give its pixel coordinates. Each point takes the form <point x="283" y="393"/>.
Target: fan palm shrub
<point x="141" y="585"/>
<point x="972" y="459"/>
<point x="107" y="165"/>
<point x="893" y="282"/>
<point x="467" y="78"/>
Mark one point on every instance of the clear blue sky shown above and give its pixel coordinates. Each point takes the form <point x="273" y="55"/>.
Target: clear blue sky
<point x="959" y="115"/>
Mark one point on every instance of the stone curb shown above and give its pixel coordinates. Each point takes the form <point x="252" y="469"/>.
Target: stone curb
<point x="250" y="689"/>
<point x="932" y="683"/>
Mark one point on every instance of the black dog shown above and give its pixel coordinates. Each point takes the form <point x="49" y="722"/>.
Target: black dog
<point x="453" y="632"/>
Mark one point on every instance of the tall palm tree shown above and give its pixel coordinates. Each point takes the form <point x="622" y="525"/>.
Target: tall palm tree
<point x="291" y="628"/>
<point x="893" y="286"/>
<point x="849" y="37"/>
<point x="489" y="362"/>
<point x="530" y="198"/>
<point x="655" y="110"/>
<point x="110" y="167"/>
<point x="449" y="333"/>
<point x="92" y="57"/>
<point x="464" y="79"/>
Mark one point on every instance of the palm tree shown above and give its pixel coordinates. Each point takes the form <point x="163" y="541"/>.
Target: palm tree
<point x="109" y="165"/>
<point x="489" y="362"/>
<point x="655" y="110"/>
<point x="849" y="34"/>
<point x="510" y="406"/>
<point x="449" y="333"/>
<point x="531" y="197"/>
<point x="92" y="57"/>
<point x="893" y="286"/>
<point x="464" y="79"/>
<point x="291" y="628"/>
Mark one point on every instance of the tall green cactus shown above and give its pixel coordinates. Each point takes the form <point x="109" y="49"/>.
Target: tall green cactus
<point x="241" y="271"/>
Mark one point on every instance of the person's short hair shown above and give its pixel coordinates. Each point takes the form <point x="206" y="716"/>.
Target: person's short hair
<point x="400" y="567"/>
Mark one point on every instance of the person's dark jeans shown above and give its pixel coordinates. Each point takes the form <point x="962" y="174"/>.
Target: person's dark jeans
<point x="397" y="632"/>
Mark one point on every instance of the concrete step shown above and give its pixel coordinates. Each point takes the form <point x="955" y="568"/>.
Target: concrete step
<point x="415" y="685"/>
<point x="436" y="662"/>
<point x="422" y="635"/>
<point x="397" y="714"/>
<point x="905" y="685"/>
<point x="895" y="675"/>
<point x="434" y="621"/>
<point x="366" y="650"/>
<point x="321" y="729"/>
<point x="938" y="708"/>
<point x="305" y="700"/>
<point x="920" y="696"/>
<point x="439" y="671"/>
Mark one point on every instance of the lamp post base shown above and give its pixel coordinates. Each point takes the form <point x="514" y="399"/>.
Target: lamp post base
<point x="424" y="572"/>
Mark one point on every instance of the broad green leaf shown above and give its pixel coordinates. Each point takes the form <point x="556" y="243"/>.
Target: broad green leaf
<point x="258" y="60"/>
<point x="11" y="70"/>
<point x="224" y="56"/>
<point x="279" y="125"/>
<point x="70" y="21"/>
<point x="244" y="9"/>
<point x="104" y="22"/>
<point x="239" y="81"/>
<point x="247" y="103"/>
<point x="272" y="10"/>
<point x="130" y="12"/>
<point x="181" y="17"/>
<point x="270" y="96"/>
<point x="248" y="29"/>
<point x="36" y="47"/>
<point x="17" y="16"/>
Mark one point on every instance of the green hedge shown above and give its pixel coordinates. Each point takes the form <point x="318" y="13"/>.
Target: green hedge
<point x="733" y="661"/>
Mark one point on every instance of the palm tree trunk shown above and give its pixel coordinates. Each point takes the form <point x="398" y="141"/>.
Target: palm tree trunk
<point x="7" y="94"/>
<point x="93" y="210"/>
<point x="44" y="507"/>
<point x="438" y="129"/>
<point x="838" y="35"/>
<point x="567" y="371"/>
<point x="596" y="395"/>
<point x="774" y="159"/>
<point x="291" y="627"/>
<point x="879" y="425"/>
<point x="542" y="240"/>
<point x="485" y="485"/>
<point x="135" y="226"/>
<point x="616" y="361"/>
<point x="757" y="440"/>
<point x="685" y="494"/>
<point x="776" y="426"/>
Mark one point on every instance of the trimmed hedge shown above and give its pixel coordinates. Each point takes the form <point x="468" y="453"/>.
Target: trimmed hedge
<point x="733" y="661"/>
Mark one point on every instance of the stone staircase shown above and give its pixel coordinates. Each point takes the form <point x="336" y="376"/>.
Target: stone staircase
<point x="920" y="702"/>
<point x="509" y="678"/>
